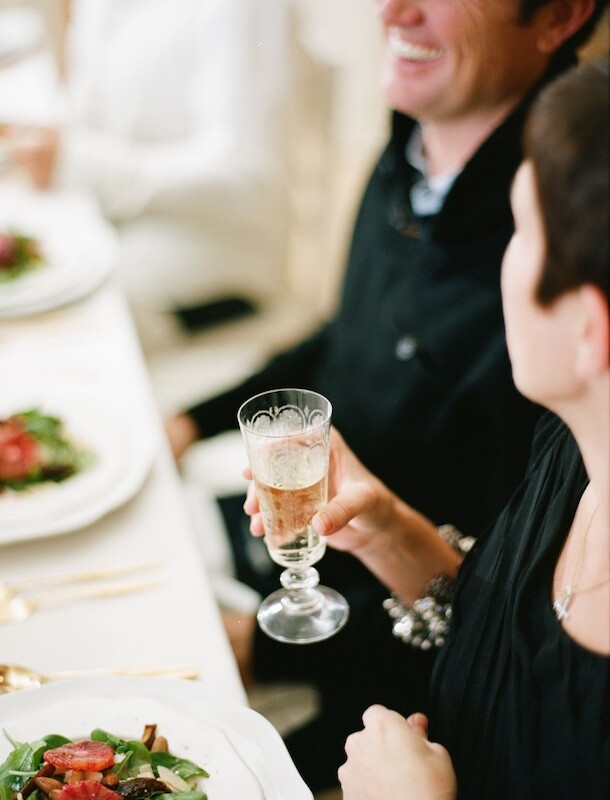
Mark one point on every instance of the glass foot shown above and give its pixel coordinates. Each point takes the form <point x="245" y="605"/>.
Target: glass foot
<point x="322" y="616"/>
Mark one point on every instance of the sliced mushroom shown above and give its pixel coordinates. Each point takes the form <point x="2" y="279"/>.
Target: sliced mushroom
<point x="160" y="745"/>
<point x="148" y="737"/>
<point x="48" y="785"/>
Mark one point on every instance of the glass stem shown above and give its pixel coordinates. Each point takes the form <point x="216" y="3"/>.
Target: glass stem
<point x="302" y="597"/>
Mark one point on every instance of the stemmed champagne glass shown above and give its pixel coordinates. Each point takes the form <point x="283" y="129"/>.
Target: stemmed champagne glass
<point x="287" y="437"/>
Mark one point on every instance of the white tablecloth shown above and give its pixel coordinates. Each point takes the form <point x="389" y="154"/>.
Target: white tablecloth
<point x="174" y="622"/>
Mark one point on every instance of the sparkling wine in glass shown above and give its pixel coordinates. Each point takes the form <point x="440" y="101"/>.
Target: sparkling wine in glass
<point x="287" y="437"/>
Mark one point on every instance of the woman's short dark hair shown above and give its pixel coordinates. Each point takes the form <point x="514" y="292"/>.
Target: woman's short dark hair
<point x="527" y="9"/>
<point x="566" y="140"/>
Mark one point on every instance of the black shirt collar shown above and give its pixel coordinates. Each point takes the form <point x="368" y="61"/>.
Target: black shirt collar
<point x="479" y="198"/>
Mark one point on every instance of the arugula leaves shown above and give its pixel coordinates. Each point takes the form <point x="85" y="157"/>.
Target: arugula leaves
<point x="26" y="759"/>
<point x="194" y="794"/>
<point x="186" y="769"/>
<point x="137" y="754"/>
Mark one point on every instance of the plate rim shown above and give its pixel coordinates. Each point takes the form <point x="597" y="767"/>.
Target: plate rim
<point x="281" y="773"/>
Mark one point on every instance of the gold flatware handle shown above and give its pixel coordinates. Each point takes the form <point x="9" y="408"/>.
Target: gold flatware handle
<point x="84" y="576"/>
<point x="186" y="671"/>
<point x="91" y="592"/>
<point x="14" y="677"/>
<point x="19" y="608"/>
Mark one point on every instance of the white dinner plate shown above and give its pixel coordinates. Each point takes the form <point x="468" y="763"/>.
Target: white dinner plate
<point x="79" y="249"/>
<point x="244" y="754"/>
<point x="122" y="456"/>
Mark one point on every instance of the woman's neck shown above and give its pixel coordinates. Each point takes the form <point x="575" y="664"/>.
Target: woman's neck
<point x="589" y="420"/>
<point x="589" y="619"/>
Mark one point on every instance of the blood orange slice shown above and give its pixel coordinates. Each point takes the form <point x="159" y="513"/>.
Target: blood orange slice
<point x="87" y="790"/>
<point x="86" y="755"/>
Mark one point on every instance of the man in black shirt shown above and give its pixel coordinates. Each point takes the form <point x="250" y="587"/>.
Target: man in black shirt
<point x="414" y="361"/>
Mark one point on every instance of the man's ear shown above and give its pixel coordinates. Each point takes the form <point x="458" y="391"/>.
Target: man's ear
<point x="593" y="346"/>
<point x="561" y="20"/>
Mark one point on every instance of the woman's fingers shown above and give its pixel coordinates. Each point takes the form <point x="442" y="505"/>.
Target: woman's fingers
<point x="392" y="754"/>
<point x="251" y="501"/>
<point x="375" y="714"/>
<point x="256" y="525"/>
<point x="353" y="499"/>
<point x="251" y="508"/>
<point x="419" y="723"/>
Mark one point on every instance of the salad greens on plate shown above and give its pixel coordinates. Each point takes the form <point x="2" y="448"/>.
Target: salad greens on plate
<point x="103" y="767"/>
<point x="18" y="254"/>
<point x="34" y="448"/>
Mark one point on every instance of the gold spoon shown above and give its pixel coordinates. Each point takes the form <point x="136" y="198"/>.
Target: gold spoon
<point x="14" y="677"/>
<point x="18" y="609"/>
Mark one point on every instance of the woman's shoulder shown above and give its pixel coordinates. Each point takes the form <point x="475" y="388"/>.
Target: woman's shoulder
<point x="549" y="492"/>
<point x="551" y="437"/>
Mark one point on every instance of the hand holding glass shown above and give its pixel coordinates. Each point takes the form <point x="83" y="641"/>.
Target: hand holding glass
<point x="287" y="437"/>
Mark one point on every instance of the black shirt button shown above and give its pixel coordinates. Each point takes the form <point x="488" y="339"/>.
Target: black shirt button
<point x="405" y="348"/>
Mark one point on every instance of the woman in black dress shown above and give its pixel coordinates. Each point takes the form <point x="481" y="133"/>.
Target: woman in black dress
<point x="520" y="698"/>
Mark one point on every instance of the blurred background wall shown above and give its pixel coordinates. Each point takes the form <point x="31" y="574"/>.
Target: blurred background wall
<point x="331" y="161"/>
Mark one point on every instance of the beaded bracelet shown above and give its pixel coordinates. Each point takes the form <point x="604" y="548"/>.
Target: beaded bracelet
<point x="425" y="624"/>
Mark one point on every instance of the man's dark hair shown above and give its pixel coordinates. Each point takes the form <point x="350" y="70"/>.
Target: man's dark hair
<point x="566" y="141"/>
<point x="527" y="9"/>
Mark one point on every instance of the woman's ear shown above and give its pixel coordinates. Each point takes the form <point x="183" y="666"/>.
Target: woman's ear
<point x="593" y="346"/>
<point x="560" y="20"/>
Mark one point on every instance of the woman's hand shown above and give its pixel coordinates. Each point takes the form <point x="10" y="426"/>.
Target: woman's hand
<point x="360" y="509"/>
<point x="397" y="544"/>
<point x="392" y="759"/>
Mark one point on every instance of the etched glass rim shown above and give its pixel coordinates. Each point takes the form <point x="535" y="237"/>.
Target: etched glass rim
<point x="325" y="420"/>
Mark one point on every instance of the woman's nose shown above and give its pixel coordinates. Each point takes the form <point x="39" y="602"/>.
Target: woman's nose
<point x="400" y="12"/>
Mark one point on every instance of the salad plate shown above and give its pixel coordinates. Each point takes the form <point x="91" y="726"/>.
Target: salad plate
<point x="244" y="755"/>
<point x="78" y="249"/>
<point x="119" y="454"/>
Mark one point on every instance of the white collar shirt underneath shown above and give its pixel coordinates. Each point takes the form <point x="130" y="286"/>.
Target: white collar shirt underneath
<point x="427" y="193"/>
